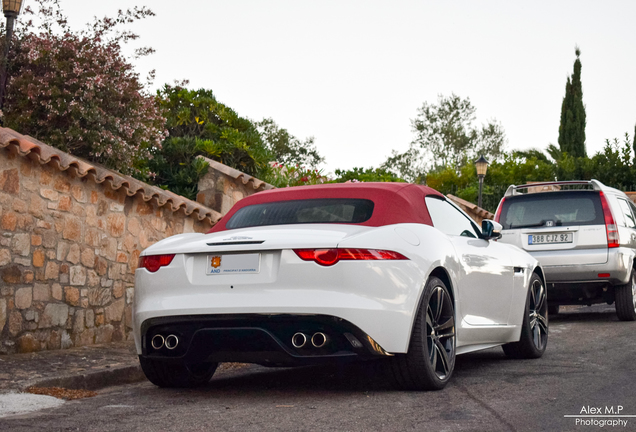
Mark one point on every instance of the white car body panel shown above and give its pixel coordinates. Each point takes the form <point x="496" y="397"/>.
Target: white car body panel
<point x="379" y="297"/>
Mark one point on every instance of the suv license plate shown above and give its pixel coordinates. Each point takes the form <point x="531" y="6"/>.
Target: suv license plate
<point x="233" y="264"/>
<point x="550" y="238"/>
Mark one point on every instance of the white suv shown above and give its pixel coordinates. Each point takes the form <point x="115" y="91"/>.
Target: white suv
<point x="584" y="235"/>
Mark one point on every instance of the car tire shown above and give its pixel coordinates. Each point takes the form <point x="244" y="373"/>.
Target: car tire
<point x="168" y="374"/>
<point x="625" y="297"/>
<point x="430" y="360"/>
<point x="553" y="309"/>
<point x="534" y="330"/>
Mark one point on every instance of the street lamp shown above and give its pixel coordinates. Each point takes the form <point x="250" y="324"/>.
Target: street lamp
<point x="482" y="167"/>
<point x="11" y="9"/>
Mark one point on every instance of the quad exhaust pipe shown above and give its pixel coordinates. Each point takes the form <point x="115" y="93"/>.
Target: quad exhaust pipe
<point x="318" y="340"/>
<point x="170" y="342"/>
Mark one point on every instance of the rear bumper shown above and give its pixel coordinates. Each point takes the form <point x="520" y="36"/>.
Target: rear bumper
<point x="255" y="338"/>
<point x="618" y="266"/>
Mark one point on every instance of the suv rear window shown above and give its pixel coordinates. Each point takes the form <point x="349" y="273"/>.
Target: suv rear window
<point x="332" y="210"/>
<point x="552" y="209"/>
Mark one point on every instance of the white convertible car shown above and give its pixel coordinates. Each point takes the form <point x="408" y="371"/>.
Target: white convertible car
<point x="337" y="272"/>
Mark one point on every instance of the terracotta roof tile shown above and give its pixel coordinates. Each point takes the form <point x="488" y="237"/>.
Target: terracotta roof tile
<point x="258" y="185"/>
<point x="27" y="146"/>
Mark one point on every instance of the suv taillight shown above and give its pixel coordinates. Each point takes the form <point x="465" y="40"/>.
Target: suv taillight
<point x="498" y="211"/>
<point x="610" y="224"/>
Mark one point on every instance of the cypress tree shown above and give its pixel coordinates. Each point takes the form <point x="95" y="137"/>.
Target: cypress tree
<point x="572" y="127"/>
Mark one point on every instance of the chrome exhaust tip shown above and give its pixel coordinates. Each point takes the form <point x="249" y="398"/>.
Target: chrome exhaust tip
<point x="299" y="340"/>
<point x="171" y="342"/>
<point x="319" y="340"/>
<point x="157" y="341"/>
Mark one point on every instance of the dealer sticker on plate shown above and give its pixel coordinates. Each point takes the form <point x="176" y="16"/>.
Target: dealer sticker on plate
<point x="233" y="264"/>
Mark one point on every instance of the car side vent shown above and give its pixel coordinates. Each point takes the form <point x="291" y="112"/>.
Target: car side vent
<point x="518" y="269"/>
<point x="231" y="243"/>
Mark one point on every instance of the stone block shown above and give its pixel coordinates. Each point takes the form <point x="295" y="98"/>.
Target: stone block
<point x="134" y="227"/>
<point x="92" y="237"/>
<point x="9" y="221"/>
<point x="49" y="239"/>
<point x="37" y="206"/>
<point x="24" y="262"/>
<point x="72" y="229"/>
<point x="130" y="295"/>
<point x="101" y="266"/>
<point x="133" y="263"/>
<point x="118" y="289"/>
<point x="15" y="323"/>
<point x="93" y="279"/>
<point x="38" y="258"/>
<point x="115" y="224"/>
<point x="5" y="257"/>
<point x="56" y="291"/>
<point x="36" y="240"/>
<point x="122" y="257"/>
<point x="52" y="270"/>
<point x="21" y="244"/>
<point x="11" y="274"/>
<point x="78" y="275"/>
<point x="49" y="194"/>
<point x="99" y="296"/>
<point x="128" y="317"/>
<point x="20" y="206"/>
<point x="62" y="250"/>
<point x="78" y="193"/>
<point x="3" y="313"/>
<point x="27" y="343"/>
<point x="104" y="334"/>
<point x="55" y="315"/>
<point x="28" y="276"/>
<point x="62" y="185"/>
<point x="73" y="255"/>
<point x="10" y="181"/>
<point x="24" y="298"/>
<point x="102" y="208"/>
<point x="72" y="296"/>
<point x="88" y="258"/>
<point x="41" y="292"/>
<point x="90" y="318"/>
<point x="109" y="248"/>
<point x="79" y="321"/>
<point x="87" y="337"/>
<point x="54" y="340"/>
<point x="64" y="204"/>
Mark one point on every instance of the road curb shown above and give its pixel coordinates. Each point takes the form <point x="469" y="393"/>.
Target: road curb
<point x="92" y="380"/>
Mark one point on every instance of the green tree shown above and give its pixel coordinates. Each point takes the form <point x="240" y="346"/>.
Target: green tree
<point x="365" y="175"/>
<point x="446" y="136"/>
<point x="572" y="126"/>
<point x="286" y="148"/>
<point x="200" y="125"/>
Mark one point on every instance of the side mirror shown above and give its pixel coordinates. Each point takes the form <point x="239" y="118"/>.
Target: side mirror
<point x="491" y="230"/>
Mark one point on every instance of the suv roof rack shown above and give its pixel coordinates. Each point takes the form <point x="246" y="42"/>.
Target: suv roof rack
<point x="591" y="184"/>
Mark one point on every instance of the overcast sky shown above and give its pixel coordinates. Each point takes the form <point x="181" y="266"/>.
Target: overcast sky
<point x="353" y="73"/>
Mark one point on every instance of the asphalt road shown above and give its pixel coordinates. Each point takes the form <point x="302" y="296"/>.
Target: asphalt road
<point x="590" y="363"/>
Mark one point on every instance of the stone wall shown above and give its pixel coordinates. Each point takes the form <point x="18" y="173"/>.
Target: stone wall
<point x="69" y="246"/>
<point x="222" y="186"/>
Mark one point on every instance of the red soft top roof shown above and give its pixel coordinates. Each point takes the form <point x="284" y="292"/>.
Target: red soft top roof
<point x="393" y="202"/>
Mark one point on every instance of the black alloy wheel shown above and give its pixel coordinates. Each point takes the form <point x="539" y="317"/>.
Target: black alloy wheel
<point x="625" y="297"/>
<point x="534" y="330"/>
<point x="430" y="360"/>
<point x="440" y="332"/>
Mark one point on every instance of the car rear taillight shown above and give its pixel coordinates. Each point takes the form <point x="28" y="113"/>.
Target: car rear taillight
<point x="498" y="211"/>
<point x="328" y="257"/>
<point x="610" y="224"/>
<point x="152" y="263"/>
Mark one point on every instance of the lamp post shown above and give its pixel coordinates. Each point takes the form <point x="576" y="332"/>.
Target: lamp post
<point x="11" y="9"/>
<point x="482" y="167"/>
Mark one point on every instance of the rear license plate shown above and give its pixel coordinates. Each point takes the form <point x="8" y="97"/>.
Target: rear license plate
<point x="233" y="264"/>
<point x="550" y="238"/>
